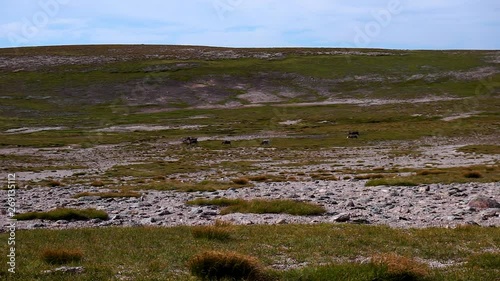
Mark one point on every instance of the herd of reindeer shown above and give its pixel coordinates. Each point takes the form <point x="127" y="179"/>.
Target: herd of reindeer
<point x="194" y="141"/>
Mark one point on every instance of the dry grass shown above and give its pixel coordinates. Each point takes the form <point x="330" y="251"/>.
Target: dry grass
<point x="370" y="176"/>
<point x="401" y="268"/>
<point x="430" y="172"/>
<point x="97" y="183"/>
<point x="216" y="265"/>
<point x="62" y="256"/>
<point x="241" y="181"/>
<point x="54" y="183"/>
<point x="210" y="232"/>
<point x="109" y="194"/>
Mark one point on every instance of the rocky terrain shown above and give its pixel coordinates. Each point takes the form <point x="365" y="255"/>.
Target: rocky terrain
<point x="104" y="118"/>
<point x="437" y="205"/>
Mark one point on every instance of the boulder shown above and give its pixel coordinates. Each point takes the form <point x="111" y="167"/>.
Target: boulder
<point x="483" y="202"/>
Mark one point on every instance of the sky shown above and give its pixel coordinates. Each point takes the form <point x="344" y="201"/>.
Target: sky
<point x="391" y="24"/>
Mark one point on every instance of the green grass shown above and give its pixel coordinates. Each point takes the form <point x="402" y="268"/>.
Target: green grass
<point x="259" y="206"/>
<point x="64" y="214"/>
<point x="479" y="173"/>
<point x="480" y="149"/>
<point x="152" y="253"/>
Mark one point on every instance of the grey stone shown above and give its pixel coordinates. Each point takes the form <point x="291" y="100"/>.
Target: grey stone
<point x="66" y="269"/>
<point x="483" y="202"/>
<point x="342" y="217"/>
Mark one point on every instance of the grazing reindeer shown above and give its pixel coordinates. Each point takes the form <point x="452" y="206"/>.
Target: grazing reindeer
<point x="353" y="135"/>
<point x="265" y="142"/>
<point x="226" y="142"/>
<point x="190" y="141"/>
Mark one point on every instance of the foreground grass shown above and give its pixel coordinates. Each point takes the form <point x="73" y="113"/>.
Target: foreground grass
<point x="64" y="214"/>
<point x="479" y="173"/>
<point x="259" y="206"/>
<point x="162" y="253"/>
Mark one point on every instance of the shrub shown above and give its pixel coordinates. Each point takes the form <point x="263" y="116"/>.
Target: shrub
<point x="240" y="181"/>
<point x="211" y="232"/>
<point x="215" y="265"/>
<point x="401" y="268"/>
<point x="64" y="214"/>
<point x="473" y="175"/>
<point x="61" y="256"/>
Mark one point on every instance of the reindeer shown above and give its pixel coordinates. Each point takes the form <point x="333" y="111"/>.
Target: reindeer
<point x="226" y="142"/>
<point x="190" y="141"/>
<point x="352" y="134"/>
<point x="265" y="142"/>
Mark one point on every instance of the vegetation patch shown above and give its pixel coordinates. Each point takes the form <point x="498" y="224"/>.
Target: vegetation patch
<point x="64" y="214"/>
<point x="479" y="173"/>
<point x="218" y="265"/>
<point x="401" y="268"/>
<point x="368" y="177"/>
<point x="109" y="194"/>
<point x="158" y="253"/>
<point x="260" y="206"/>
<point x="62" y="256"/>
<point x="184" y="186"/>
<point x="241" y="181"/>
<point x="480" y="149"/>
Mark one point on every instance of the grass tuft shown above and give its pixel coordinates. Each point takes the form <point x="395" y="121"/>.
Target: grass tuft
<point x="64" y="214"/>
<point x="401" y="268"/>
<point x="61" y="256"/>
<point x="211" y="232"/>
<point x="97" y="183"/>
<point x="241" y="181"/>
<point x="215" y="265"/>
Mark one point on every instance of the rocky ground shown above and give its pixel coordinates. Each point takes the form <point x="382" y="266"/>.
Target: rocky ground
<point x="347" y="200"/>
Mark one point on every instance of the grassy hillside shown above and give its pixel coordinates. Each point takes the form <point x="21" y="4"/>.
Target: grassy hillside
<point x="90" y="87"/>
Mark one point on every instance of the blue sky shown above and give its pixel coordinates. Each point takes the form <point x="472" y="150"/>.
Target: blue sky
<point x="395" y="24"/>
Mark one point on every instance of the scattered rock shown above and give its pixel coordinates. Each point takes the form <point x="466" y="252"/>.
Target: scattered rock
<point x="342" y="217"/>
<point x="482" y="202"/>
<point x="66" y="269"/>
